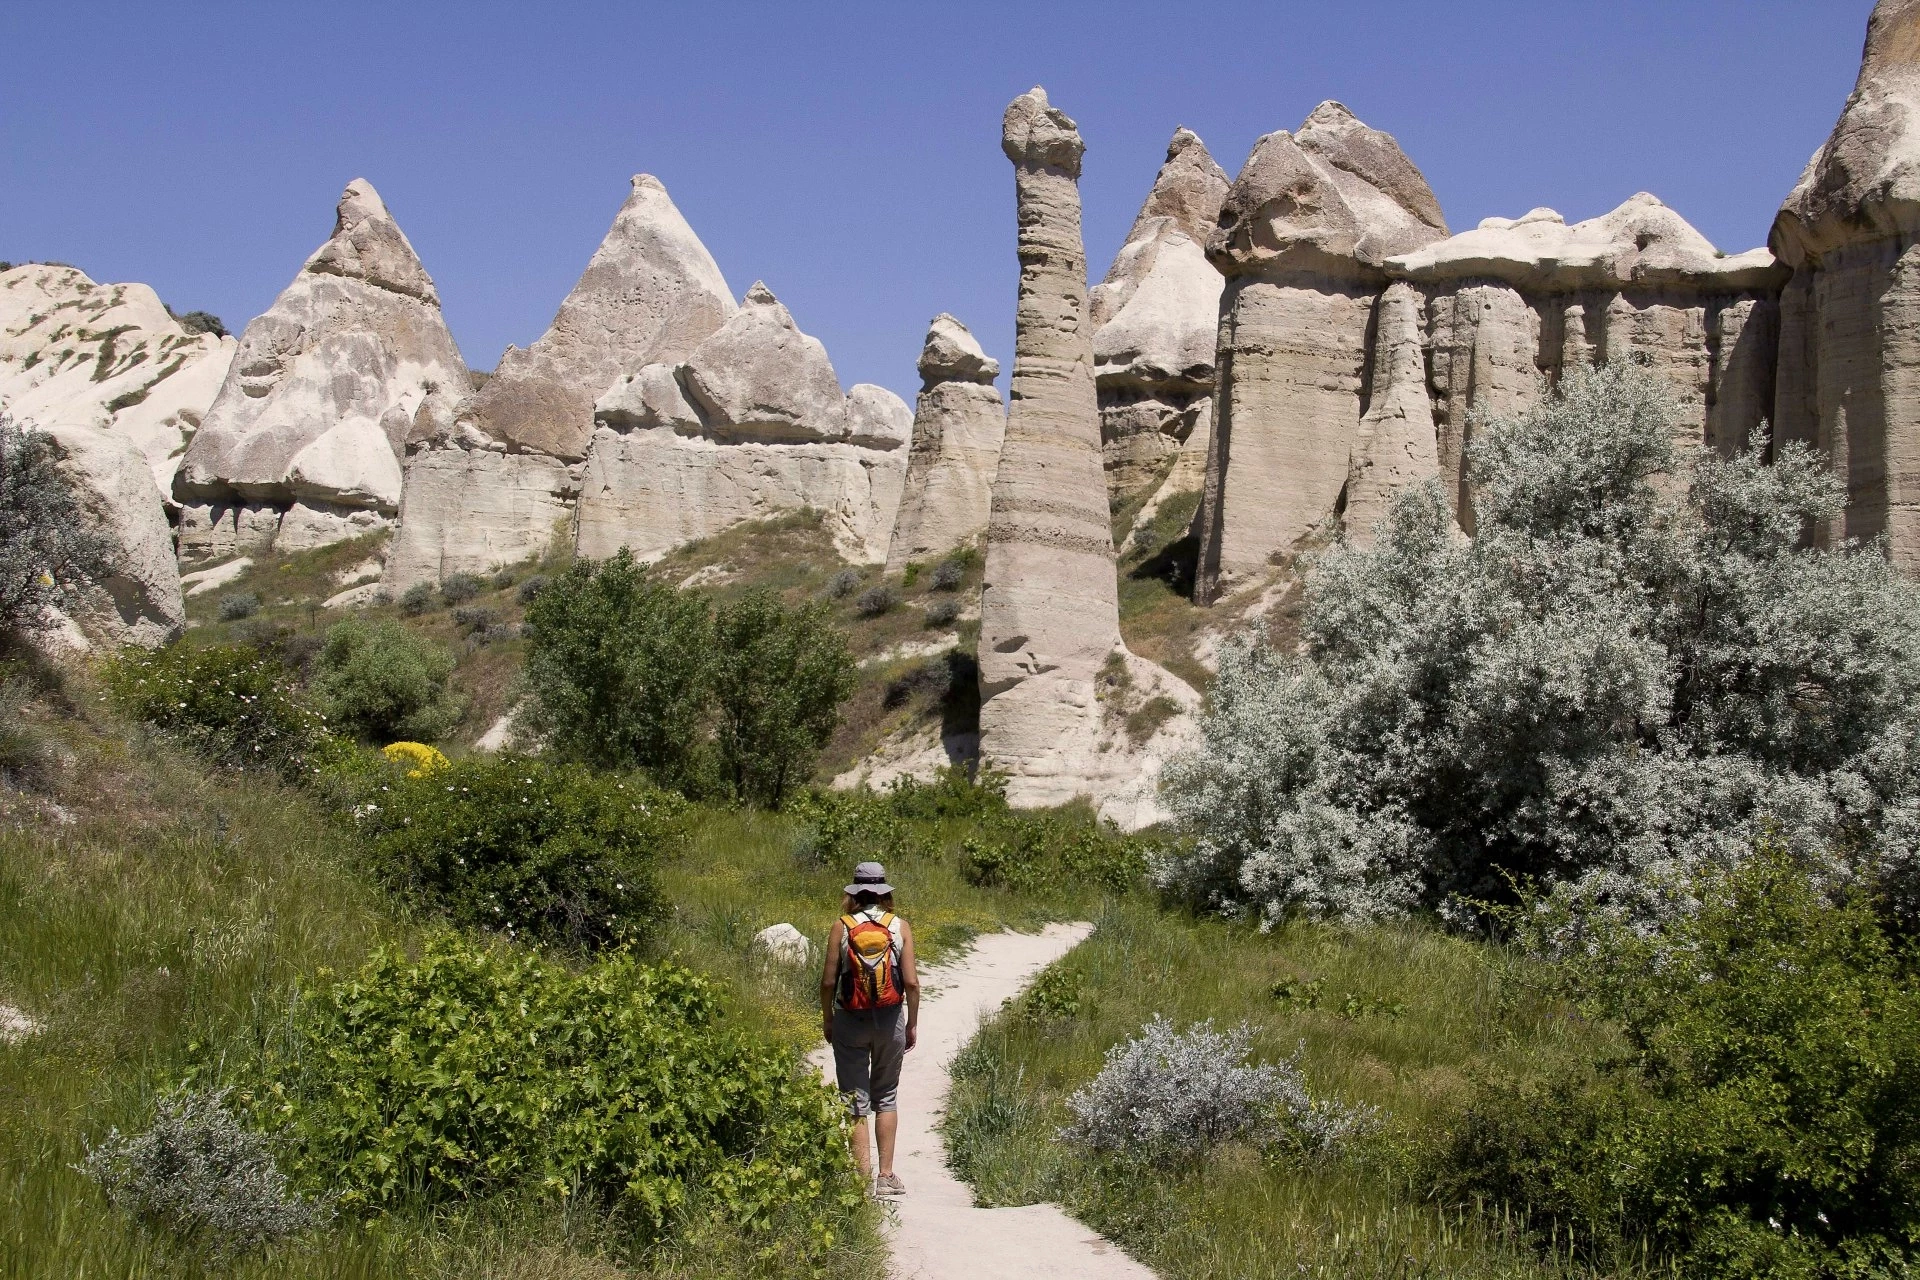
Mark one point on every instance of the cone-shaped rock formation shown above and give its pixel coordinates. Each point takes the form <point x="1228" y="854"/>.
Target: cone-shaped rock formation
<point x="302" y="446"/>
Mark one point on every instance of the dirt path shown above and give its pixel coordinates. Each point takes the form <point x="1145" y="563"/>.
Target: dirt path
<point x="936" y="1231"/>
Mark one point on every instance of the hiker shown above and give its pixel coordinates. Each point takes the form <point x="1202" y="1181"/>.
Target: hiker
<point x="870" y="1013"/>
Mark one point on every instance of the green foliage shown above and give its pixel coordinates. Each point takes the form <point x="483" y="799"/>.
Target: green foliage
<point x="616" y="666"/>
<point x="383" y="682"/>
<point x="1765" y="1117"/>
<point x="201" y="1174"/>
<point x="549" y="853"/>
<point x="875" y="601"/>
<point x="1036" y="853"/>
<point x="229" y="703"/>
<point x="941" y="613"/>
<point x="950" y="573"/>
<point x="203" y="322"/>
<point x="416" y="599"/>
<point x="236" y="605"/>
<point x="1055" y="995"/>
<point x="843" y="584"/>
<point x="778" y="677"/>
<point x="910" y="574"/>
<point x="628" y="672"/>
<point x="472" y="1071"/>
<point x="50" y="544"/>
<point x="458" y="588"/>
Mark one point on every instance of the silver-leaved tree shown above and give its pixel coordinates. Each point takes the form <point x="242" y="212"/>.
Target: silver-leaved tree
<point x="1638" y="664"/>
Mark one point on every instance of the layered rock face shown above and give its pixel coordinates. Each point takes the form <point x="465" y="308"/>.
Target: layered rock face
<point x="1849" y="375"/>
<point x="1049" y="609"/>
<point x="959" y="424"/>
<point x="140" y="601"/>
<point x="750" y="425"/>
<point x="303" y="444"/>
<point x="650" y="295"/>
<point x="110" y="357"/>
<point x="1155" y="317"/>
<point x="1514" y="303"/>
<point x="1302" y="241"/>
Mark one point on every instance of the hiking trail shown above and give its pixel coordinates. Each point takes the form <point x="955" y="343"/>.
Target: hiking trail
<point x="935" y="1231"/>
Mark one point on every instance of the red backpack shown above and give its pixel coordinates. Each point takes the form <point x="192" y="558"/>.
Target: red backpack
<point x="870" y="963"/>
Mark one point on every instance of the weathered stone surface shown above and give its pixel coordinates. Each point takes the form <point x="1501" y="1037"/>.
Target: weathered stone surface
<point x="319" y="399"/>
<point x="473" y="510"/>
<point x="652" y="490"/>
<point x="1397" y="446"/>
<point x="1849" y="367"/>
<point x="1049" y="609"/>
<point x="1303" y="239"/>
<point x="76" y="353"/>
<point x="752" y="424"/>
<point x="1156" y="317"/>
<point x="650" y="295"/>
<point x="758" y="378"/>
<point x="959" y="425"/>
<point x="140" y="601"/>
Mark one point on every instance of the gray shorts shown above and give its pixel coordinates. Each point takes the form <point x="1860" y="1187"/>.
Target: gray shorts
<point x="869" y="1048"/>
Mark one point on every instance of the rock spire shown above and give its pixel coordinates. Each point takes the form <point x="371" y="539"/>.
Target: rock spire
<point x="1049" y="608"/>
<point x="959" y="423"/>
<point x="302" y="445"/>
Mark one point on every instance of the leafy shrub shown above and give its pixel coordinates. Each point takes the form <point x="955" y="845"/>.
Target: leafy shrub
<point x="1035" y="853"/>
<point x="202" y="322"/>
<point x="229" y="703"/>
<point x="941" y="613"/>
<point x="50" y="544"/>
<point x="949" y="574"/>
<point x="910" y="574"/>
<point x="458" y="588"/>
<point x="1166" y="1095"/>
<point x="473" y="1070"/>
<point x="502" y="579"/>
<point x="530" y="590"/>
<point x="875" y="601"/>
<point x="418" y="758"/>
<point x="28" y="755"/>
<point x="416" y="599"/>
<point x="1613" y="679"/>
<point x="236" y="605"/>
<point x="1764" y="1118"/>
<point x="476" y="619"/>
<point x="778" y="677"/>
<point x="550" y="853"/>
<point x="1055" y="995"/>
<point x="933" y="678"/>
<point x="843" y="584"/>
<point x="202" y="1174"/>
<point x="381" y="680"/>
<point x="616" y="669"/>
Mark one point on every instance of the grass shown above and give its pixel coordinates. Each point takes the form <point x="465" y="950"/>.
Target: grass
<point x="1405" y="1019"/>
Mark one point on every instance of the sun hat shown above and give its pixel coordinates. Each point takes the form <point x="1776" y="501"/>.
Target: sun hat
<point x="869" y="877"/>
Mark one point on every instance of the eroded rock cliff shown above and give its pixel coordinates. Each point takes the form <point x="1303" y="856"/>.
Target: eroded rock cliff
<point x="959" y="424"/>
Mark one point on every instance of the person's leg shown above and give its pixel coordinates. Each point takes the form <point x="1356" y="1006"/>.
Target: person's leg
<point x="886" y="1126"/>
<point x="853" y="1070"/>
<point x="863" y="1150"/>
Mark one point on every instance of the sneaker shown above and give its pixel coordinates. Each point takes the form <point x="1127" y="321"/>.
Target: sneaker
<point x="889" y="1185"/>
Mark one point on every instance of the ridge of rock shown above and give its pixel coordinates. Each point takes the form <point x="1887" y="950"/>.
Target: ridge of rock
<point x="952" y="354"/>
<point x="959" y="425"/>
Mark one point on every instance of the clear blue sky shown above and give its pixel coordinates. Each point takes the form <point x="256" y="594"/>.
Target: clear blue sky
<point x="847" y="153"/>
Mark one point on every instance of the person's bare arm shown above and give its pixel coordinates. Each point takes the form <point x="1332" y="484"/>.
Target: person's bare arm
<point x="910" y="983"/>
<point x="830" y="977"/>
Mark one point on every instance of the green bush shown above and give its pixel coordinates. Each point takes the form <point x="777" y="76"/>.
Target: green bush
<point x="383" y="682"/>
<point x="1764" y="1116"/>
<point x="458" y="588"/>
<point x="230" y="703"/>
<point x="626" y="671"/>
<point x="778" y="677"/>
<point x="236" y="605"/>
<point x="416" y="599"/>
<point x="50" y="546"/>
<point x="1035" y="853"/>
<point x="472" y="1071"/>
<point x="549" y="853"/>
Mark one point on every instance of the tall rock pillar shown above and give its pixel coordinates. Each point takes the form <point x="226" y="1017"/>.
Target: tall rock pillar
<point x="1050" y="614"/>
<point x="1849" y="367"/>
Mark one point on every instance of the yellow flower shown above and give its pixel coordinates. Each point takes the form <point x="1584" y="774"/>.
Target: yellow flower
<point x="423" y="758"/>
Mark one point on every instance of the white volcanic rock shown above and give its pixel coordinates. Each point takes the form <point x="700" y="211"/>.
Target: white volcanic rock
<point x="1157" y="318"/>
<point x="1849" y="345"/>
<point x="474" y="510"/>
<point x="1396" y="448"/>
<point x="758" y="378"/>
<point x="751" y="425"/>
<point x="76" y="353"/>
<point x="140" y="601"/>
<point x="959" y="425"/>
<point x="1049" y="613"/>
<point x="322" y="393"/>
<point x="1303" y="238"/>
<point x="650" y="295"/>
<point x="783" y="944"/>
<point x="201" y="581"/>
<point x="877" y="418"/>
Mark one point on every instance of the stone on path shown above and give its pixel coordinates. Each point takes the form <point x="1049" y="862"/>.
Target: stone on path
<point x="935" y="1230"/>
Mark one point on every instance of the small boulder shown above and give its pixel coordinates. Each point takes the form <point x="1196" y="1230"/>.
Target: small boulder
<point x="783" y="944"/>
